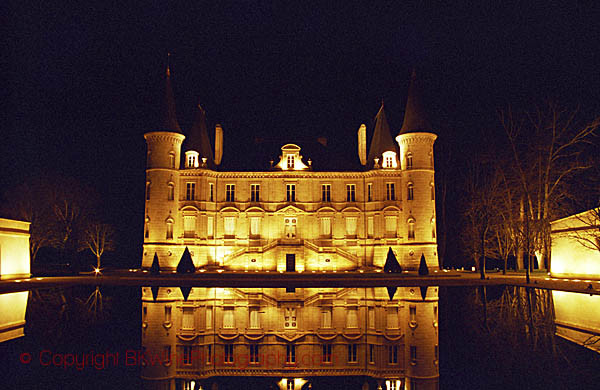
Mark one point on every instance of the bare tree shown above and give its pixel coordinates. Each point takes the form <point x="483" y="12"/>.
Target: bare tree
<point x="546" y="146"/>
<point x="98" y="238"/>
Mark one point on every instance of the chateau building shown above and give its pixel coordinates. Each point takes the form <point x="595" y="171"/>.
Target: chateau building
<point x="291" y="217"/>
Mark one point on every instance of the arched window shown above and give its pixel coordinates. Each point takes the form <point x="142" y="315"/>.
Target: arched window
<point x="410" y="188"/>
<point x="169" y="229"/>
<point x="171" y="193"/>
<point x="172" y="160"/>
<point x="411" y="229"/>
<point x="409" y="160"/>
<point x="147" y="190"/>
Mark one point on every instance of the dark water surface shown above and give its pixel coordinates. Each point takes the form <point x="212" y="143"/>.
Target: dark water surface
<point x="71" y="344"/>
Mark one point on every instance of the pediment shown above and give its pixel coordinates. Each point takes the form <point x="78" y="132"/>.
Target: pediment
<point x="290" y="210"/>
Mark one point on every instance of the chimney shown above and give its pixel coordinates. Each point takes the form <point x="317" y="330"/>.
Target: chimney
<point x="218" y="144"/>
<point x="362" y="144"/>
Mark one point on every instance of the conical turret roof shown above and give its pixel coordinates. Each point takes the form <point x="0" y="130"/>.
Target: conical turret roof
<point x="415" y="119"/>
<point x="169" y="117"/>
<point x="197" y="138"/>
<point x="382" y="140"/>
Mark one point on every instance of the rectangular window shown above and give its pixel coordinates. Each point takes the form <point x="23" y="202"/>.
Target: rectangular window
<point x="208" y="354"/>
<point x="326" y="357"/>
<point x="326" y="193"/>
<point x="369" y="192"/>
<point x="413" y="314"/>
<point x="210" y="229"/>
<point x="171" y="195"/>
<point x="228" y="358"/>
<point x="254" y="318"/>
<point x="352" y="318"/>
<point x="351" y="226"/>
<point x="350" y="193"/>
<point x="390" y="191"/>
<point x="370" y="226"/>
<point x="291" y="192"/>
<point x="326" y="227"/>
<point x="254" y="356"/>
<point x="352" y="358"/>
<point x="290" y="161"/>
<point x="392" y="318"/>
<point x="187" y="355"/>
<point x="208" y="319"/>
<point x="410" y="195"/>
<point x="326" y="318"/>
<point x="289" y="317"/>
<point x="167" y="314"/>
<point x="190" y="191"/>
<point x="229" y="225"/>
<point x="187" y="321"/>
<point x="390" y="226"/>
<point x="228" y="321"/>
<point x="169" y="230"/>
<point x="290" y="354"/>
<point x="371" y="353"/>
<point x="371" y="317"/>
<point x="255" y="226"/>
<point x="393" y="354"/>
<point x="211" y="192"/>
<point x="230" y="193"/>
<point x="255" y="193"/>
<point x="189" y="226"/>
<point x="413" y="354"/>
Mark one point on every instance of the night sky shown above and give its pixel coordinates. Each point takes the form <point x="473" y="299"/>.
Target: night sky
<point x="82" y="83"/>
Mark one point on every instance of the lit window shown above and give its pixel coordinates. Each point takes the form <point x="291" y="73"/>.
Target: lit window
<point x="352" y="358"/>
<point x="255" y="193"/>
<point x="411" y="229"/>
<point x="388" y="162"/>
<point x="393" y="354"/>
<point x="171" y="193"/>
<point x="228" y="319"/>
<point x="187" y="321"/>
<point x="254" y="318"/>
<point x="291" y="192"/>
<point x="413" y="354"/>
<point x="187" y="355"/>
<point x="326" y="353"/>
<point x="169" y="230"/>
<point x="351" y="223"/>
<point x="211" y="192"/>
<point x="409" y="160"/>
<point x="189" y="226"/>
<point x="290" y="354"/>
<point x="255" y="226"/>
<point x="254" y="356"/>
<point x="290" y="161"/>
<point x="370" y="192"/>
<point x="291" y="384"/>
<point x="230" y="192"/>
<point x="410" y="195"/>
<point x="289" y="318"/>
<point x="192" y="161"/>
<point x="390" y="226"/>
<point x="326" y="227"/>
<point x="390" y="191"/>
<point x="190" y="191"/>
<point x="229" y="224"/>
<point x="350" y="193"/>
<point x="326" y="192"/>
<point x="228" y="358"/>
<point x="352" y="318"/>
<point x="326" y="318"/>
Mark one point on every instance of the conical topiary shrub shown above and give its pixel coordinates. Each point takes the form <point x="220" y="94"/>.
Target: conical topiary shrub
<point x="423" y="270"/>
<point x="186" y="264"/>
<point x="391" y="263"/>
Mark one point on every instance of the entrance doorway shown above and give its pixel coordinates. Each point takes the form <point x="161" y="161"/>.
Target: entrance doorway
<point x="290" y="262"/>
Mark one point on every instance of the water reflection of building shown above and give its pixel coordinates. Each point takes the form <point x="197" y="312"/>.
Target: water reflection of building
<point x="14" y="263"/>
<point x="576" y="254"/>
<point x="291" y="217"/>
<point x="291" y="337"/>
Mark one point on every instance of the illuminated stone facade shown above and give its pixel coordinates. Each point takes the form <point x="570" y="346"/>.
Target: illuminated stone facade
<point x="291" y="218"/>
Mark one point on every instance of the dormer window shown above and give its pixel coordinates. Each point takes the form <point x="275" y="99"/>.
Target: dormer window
<point x="191" y="159"/>
<point x="389" y="160"/>
<point x="290" y="159"/>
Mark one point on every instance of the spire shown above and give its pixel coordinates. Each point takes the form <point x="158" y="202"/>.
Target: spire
<point x="382" y="139"/>
<point x="414" y="115"/>
<point x="197" y="139"/>
<point x="169" y="119"/>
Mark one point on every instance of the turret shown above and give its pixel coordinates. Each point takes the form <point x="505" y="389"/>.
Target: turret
<point x="162" y="179"/>
<point x="382" y="145"/>
<point x="418" y="195"/>
<point x="198" y="152"/>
